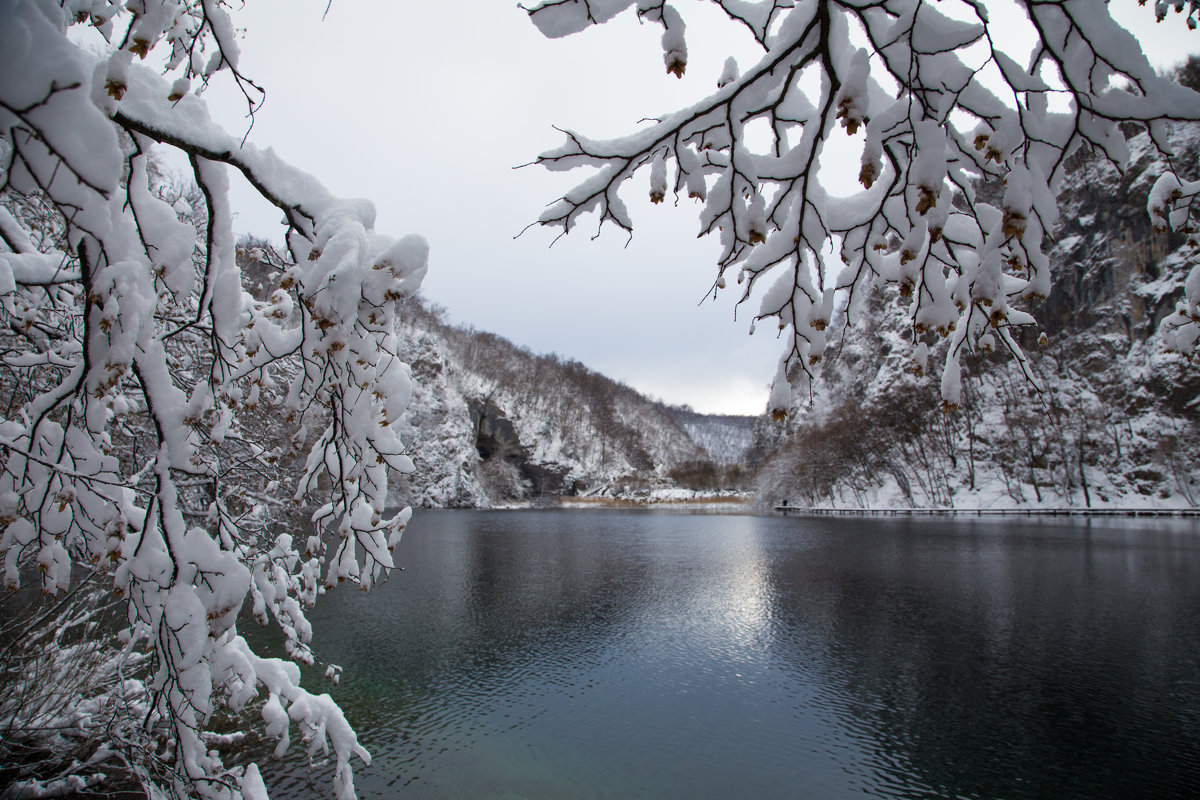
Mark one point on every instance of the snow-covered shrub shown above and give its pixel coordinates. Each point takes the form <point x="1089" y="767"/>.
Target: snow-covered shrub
<point x="72" y="698"/>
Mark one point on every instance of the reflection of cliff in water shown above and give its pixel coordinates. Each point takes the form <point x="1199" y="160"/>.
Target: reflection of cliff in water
<point x="1010" y="663"/>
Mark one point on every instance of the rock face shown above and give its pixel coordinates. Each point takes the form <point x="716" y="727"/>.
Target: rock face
<point x="1113" y="273"/>
<point x="495" y="435"/>
<point x="498" y="443"/>
<point x="1108" y="419"/>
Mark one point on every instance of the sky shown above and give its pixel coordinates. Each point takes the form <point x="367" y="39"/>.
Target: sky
<point x="427" y="108"/>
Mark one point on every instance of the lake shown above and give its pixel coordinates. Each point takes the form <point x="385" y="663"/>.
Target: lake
<point x="608" y="654"/>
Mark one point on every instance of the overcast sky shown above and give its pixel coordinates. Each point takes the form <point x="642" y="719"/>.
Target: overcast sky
<point x="425" y="108"/>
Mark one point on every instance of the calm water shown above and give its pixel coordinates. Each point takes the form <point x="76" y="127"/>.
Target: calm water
<point x="648" y="655"/>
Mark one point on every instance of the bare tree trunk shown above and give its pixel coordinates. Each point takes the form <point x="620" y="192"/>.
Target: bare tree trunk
<point x="1081" y="443"/>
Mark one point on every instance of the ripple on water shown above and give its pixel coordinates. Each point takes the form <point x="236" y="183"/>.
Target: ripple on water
<point x="549" y="655"/>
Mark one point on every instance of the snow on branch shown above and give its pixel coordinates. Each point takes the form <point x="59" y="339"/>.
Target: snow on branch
<point x="963" y="143"/>
<point x="1175" y="205"/>
<point x="146" y="387"/>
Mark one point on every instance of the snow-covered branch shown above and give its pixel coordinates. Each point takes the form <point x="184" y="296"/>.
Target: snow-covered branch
<point x="1175" y="205"/>
<point x="963" y="141"/>
<point x="138" y="371"/>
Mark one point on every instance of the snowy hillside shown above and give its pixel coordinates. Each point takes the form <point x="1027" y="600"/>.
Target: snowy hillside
<point x="492" y="424"/>
<point x="725" y="438"/>
<point x="1110" y="418"/>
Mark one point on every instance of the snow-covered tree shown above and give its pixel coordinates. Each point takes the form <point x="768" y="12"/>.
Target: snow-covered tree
<point x="1173" y="205"/>
<point x="964" y="114"/>
<point x="133" y="362"/>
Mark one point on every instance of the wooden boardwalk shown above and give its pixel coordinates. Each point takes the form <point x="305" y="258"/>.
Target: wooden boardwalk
<point x="990" y="512"/>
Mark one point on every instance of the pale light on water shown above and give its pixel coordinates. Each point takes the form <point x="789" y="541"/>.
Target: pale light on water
<point x="623" y="655"/>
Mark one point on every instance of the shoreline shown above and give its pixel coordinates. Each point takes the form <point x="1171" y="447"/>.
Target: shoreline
<point x="707" y="503"/>
<point x="989" y="512"/>
<point x="736" y="504"/>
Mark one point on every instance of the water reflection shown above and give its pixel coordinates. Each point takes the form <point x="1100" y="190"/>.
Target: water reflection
<point x="597" y="654"/>
<point x="993" y="661"/>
